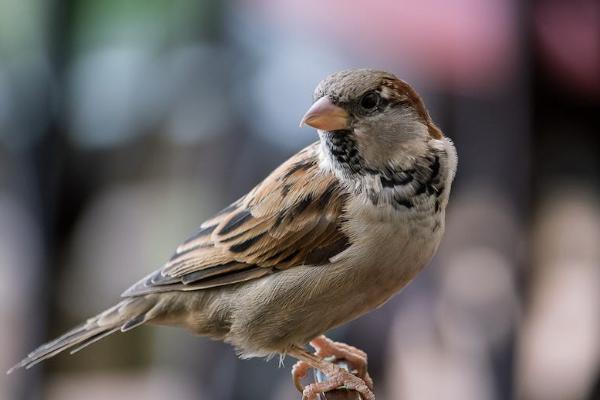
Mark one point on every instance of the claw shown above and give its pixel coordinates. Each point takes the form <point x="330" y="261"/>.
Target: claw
<point x="336" y="379"/>
<point x="357" y="358"/>
<point x="336" y="361"/>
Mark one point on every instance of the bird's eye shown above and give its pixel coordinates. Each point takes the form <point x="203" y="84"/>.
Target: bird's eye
<point x="369" y="101"/>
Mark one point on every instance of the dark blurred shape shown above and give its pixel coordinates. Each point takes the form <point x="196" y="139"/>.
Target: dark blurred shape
<point x="568" y="34"/>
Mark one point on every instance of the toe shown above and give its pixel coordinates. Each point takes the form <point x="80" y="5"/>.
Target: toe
<point x="368" y="381"/>
<point x="339" y="379"/>
<point x="299" y="371"/>
<point x="311" y="392"/>
<point x="326" y="347"/>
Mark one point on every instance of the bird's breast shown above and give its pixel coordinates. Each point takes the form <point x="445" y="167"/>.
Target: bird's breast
<point x="389" y="246"/>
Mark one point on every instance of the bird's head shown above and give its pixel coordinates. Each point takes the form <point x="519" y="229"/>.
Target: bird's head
<point x="369" y="119"/>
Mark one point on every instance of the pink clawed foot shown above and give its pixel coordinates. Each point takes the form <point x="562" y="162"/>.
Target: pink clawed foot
<point x="357" y="358"/>
<point x="357" y="379"/>
<point x="338" y="377"/>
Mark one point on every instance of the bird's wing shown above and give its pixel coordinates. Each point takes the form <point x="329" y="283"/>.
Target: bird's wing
<point x="292" y="218"/>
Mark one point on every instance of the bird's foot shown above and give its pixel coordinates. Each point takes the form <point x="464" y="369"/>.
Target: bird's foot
<point x="299" y="371"/>
<point x="337" y="378"/>
<point x="356" y="358"/>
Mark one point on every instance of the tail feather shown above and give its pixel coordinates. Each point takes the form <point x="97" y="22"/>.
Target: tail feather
<point x="126" y="315"/>
<point x="93" y="340"/>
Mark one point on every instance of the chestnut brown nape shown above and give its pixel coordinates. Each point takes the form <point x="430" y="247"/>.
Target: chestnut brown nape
<point x="406" y="93"/>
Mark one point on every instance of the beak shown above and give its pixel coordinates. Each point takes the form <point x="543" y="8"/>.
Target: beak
<point x="326" y="116"/>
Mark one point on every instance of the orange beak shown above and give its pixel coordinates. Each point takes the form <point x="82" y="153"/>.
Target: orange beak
<point x="326" y="116"/>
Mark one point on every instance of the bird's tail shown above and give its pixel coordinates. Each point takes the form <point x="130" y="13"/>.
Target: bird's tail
<point x="126" y="315"/>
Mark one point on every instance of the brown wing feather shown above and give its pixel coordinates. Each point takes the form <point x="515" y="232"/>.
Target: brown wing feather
<point x="291" y="218"/>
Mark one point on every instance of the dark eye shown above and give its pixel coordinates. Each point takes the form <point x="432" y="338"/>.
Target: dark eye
<point x="369" y="101"/>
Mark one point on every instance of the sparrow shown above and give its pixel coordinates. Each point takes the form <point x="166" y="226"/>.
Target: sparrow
<point x="328" y="236"/>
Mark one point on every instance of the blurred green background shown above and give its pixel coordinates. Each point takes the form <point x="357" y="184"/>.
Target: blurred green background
<point x="124" y="124"/>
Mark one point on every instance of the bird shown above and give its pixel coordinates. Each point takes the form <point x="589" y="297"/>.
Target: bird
<point x="330" y="235"/>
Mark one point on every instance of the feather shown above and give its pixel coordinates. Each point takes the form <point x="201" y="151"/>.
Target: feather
<point x="291" y="218"/>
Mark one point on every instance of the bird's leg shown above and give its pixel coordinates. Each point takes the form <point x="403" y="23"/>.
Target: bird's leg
<point x="357" y="358"/>
<point x="336" y="376"/>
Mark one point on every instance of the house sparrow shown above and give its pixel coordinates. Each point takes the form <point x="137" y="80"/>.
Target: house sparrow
<point x="328" y="236"/>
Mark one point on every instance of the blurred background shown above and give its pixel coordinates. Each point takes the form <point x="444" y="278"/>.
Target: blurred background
<point x="125" y="123"/>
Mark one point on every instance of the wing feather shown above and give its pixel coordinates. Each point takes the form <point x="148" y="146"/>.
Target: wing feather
<point x="294" y="217"/>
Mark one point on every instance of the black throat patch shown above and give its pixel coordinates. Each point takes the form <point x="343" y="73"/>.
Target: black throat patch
<point x="404" y="188"/>
<point x="343" y="149"/>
